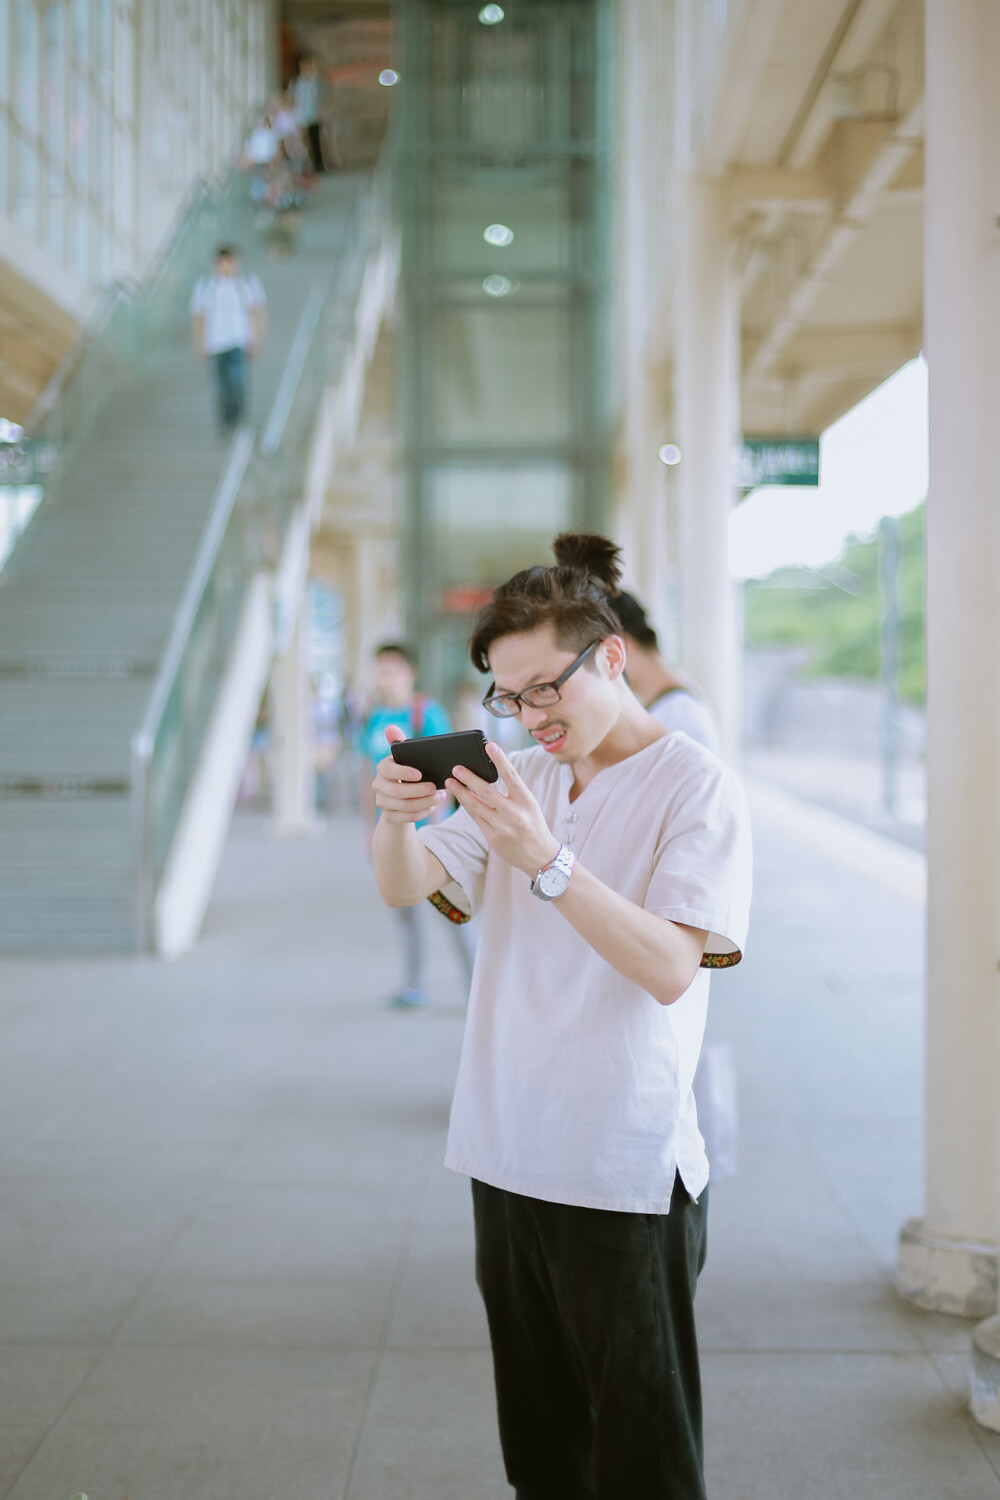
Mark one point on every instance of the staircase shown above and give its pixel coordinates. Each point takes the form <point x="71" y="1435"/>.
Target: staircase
<point x="89" y="599"/>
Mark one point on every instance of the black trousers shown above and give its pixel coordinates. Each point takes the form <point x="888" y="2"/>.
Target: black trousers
<point x="314" y="140"/>
<point x="591" y="1320"/>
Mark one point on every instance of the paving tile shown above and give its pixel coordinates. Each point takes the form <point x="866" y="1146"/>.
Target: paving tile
<point x="431" y="1430"/>
<point x="345" y="1309"/>
<point x="838" y="1427"/>
<point x="165" y="1423"/>
<point x="86" y="1308"/>
<point x="35" y="1385"/>
<point x="53" y="1231"/>
<point x="289" y="1234"/>
<point x="786" y="1269"/>
<point x="439" y="1305"/>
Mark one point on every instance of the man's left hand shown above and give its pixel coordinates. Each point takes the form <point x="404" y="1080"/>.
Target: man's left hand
<point x="512" y="824"/>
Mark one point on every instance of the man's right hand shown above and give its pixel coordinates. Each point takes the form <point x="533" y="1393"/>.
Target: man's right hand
<point x="400" y="794"/>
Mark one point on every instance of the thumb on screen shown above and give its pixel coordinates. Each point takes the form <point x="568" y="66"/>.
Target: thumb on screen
<point x="394" y="734"/>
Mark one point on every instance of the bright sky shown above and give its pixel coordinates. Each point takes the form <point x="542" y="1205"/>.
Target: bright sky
<point x="872" y="463"/>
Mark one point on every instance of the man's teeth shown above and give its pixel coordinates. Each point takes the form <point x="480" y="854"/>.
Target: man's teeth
<point x="551" y="737"/>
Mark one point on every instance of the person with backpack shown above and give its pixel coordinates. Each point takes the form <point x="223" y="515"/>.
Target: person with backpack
<point x="611" y="872"/>
<point x="228" y="324"/>
<point x="398" y="704"/>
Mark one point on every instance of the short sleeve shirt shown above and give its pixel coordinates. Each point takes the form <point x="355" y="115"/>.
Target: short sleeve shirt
<point x="575" y="1085"/>
<point x="681" y="709"/>
<point x="226" y="304"/>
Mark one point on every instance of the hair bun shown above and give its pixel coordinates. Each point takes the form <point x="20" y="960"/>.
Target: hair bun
<point x="594" y="555"/>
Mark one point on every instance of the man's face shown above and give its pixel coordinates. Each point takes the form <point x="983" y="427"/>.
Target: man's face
<point x="225" y="265"/>
<point x="588" y="706"/>
<point x="394" y="679"/>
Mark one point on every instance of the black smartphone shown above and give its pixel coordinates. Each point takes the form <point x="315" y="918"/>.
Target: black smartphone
<point x="436" y="755"/>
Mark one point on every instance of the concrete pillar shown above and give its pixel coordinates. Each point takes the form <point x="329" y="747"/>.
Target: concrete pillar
<point x="708" y="422"/>
<point x="293" y="763"/>
<point x="948" y="1259"/>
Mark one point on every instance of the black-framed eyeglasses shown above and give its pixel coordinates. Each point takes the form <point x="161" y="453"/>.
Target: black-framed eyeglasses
<point x="539" y="695"/>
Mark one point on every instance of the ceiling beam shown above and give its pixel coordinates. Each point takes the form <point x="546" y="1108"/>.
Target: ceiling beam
<point x="776" y="187"/>
<point x="853" y="215"/>
<point x="816" y="349"/>
<point x="862" y="32"/>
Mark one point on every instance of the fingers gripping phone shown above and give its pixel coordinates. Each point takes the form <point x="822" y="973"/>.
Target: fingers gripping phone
<point x="436" y="755"/>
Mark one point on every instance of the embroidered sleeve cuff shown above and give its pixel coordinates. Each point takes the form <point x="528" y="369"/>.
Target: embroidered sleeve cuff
<point x="720" y="951"/>
<point x="451" y="902"/>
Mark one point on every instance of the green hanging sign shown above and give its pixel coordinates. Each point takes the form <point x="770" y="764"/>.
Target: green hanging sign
<point x="778" y="461"/>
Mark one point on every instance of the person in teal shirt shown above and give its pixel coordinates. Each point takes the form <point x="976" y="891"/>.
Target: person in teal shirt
<point x="397" y="701"/>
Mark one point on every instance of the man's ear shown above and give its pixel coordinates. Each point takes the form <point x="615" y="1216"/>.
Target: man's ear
<point x="612" y="649"/>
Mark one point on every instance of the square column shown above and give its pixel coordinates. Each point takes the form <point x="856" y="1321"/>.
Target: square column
<point x="708" y="420"/>
<point x="948" y="1260"/>
<point x="294" y="760"/>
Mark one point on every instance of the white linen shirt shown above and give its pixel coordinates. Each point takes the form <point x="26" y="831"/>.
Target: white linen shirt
<point x="575" y="1085"/>
<point x="226" y="303"/>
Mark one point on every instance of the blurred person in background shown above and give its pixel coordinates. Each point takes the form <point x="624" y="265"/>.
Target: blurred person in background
<point x="397" y="702"/>
<point x="307" y="96"/>
<point x="672" y="701"/>
<point x="228" y="324"/>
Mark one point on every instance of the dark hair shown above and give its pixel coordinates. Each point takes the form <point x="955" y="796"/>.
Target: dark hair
<point x="571" y="597"/>
<point x="635" y="622"/>
<point x="227" y="250"/>
<point x="398" y="648"/>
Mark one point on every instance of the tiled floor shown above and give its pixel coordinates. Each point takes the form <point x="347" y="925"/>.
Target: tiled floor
<point x="231" y="1264"/>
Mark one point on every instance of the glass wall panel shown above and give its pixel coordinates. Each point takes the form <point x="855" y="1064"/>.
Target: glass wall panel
<point x="79" y="136"/>
<point x="5" y="6"/>
<point x="81" y="244"/>
<point x="81" y="32"/>
<point x="69" y="99"/>
<point x="505" y="225"/>
<point x="26" y="70"/>
<point x="26" y="206"/>
<point x="105" y="31"/>
<point x="55" y="84"/>
<point x="500" y="375"/>
<point x="55" y="216"/>
<point x="105" y="155"/>
<point x="503" y="150"/>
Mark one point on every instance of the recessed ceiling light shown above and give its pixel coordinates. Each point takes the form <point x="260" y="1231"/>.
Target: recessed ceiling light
<point x="498" y="234"/>
<point x="496" y="286"/>
<point x="388" y="77"/>
<point x="670" y="454"/>
<point x="491" y="15"/>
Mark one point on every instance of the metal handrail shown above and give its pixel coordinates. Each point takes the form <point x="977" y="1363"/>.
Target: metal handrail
<point x="144" y="739"/>
<point x="274" y="429"/>
<point x="208" y="548"/>
<point x="100" y="316"/>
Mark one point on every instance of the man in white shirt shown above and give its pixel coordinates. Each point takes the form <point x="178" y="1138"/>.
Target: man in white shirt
<point x="612" y="874"/>
<point x="669" y="698"/>
<point x="228" y="323"/>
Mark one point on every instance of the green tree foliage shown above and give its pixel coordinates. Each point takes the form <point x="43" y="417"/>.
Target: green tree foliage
<point x="836" y="611"/>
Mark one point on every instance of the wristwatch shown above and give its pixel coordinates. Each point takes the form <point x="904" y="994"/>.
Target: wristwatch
<point x="553" y="878"/>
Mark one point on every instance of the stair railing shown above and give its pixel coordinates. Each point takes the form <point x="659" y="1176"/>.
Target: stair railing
<point x="262" y="485"/>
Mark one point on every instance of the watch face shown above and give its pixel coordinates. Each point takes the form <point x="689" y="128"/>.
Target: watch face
<point x="553" y="882"/>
